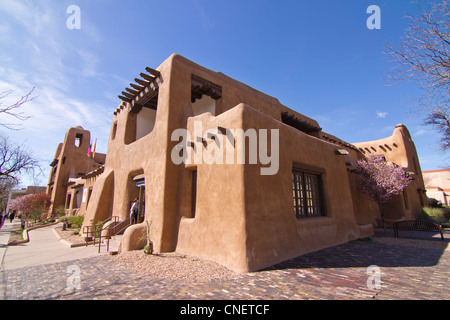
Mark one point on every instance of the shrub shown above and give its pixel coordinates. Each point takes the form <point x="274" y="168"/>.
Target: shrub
<point x="436" y="215"/>
<point x="76" y="221"/>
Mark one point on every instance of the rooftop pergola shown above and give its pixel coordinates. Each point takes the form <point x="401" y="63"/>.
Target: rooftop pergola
<point x="144" y="92"/>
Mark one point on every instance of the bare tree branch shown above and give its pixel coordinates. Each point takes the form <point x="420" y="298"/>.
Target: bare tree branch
<point x="13" y="109"/>
<point x="424" y="57"/>
<point x="15" y="161"/>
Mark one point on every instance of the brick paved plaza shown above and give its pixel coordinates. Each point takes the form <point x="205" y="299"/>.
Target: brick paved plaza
<point x="334" y="273"/>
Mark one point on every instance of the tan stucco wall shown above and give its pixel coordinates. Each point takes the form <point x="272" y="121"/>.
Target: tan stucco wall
<point x="437" y="183"/>
<point x="437" y="178"/>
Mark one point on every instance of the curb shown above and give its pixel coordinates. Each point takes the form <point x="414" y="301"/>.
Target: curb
<point x="67" y="243"/>
<point x="25" y="235"/>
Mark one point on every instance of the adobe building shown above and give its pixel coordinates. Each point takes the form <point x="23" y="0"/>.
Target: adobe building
<point x="70" y="164"/>
<point x="228" y="173"/>
<point x="437" y="184"/>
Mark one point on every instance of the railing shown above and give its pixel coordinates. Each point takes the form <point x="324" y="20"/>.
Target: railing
<point x="112" y="230"/>
<point x="94" y="232"/>
<point x="100" y="231"/>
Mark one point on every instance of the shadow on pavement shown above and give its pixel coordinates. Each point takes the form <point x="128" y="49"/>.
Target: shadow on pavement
<point x="366" y="252"/>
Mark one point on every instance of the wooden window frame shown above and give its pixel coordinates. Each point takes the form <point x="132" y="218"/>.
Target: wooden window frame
<point x="308" y="193"/>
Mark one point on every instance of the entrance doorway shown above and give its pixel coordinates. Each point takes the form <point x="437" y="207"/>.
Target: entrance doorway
<point x="140" y="185"/>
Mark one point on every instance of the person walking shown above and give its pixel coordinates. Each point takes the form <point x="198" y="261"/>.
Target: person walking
<point x="11" y="216"/>
<point x="134" y="211"/>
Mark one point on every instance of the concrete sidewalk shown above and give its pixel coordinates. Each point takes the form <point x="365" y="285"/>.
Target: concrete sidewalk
<point x="43" y="248"/>
<point x="4" y="237"/>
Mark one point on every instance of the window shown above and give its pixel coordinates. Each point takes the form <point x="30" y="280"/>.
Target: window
<point x="88" y="196"/>
<point x="69" y="198"/>
<point x="145" y="122"/>
<point x="193" y="193"/>
<point x="78" y="139"/>
<point x="114" y="130"/>
<point x="307" y="193"/>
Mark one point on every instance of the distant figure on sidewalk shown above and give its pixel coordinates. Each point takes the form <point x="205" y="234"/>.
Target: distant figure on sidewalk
<point x="2" y="220"/>
<point x="11" y="216"/>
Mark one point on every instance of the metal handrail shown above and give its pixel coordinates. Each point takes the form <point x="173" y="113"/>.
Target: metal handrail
<point x="95" y="231"/>
<point x="88" y="232"/>
<point x="114" y="232"/>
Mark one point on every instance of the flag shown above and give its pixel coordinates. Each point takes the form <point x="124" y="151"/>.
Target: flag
<point x="93" y="150"/>
<point x="89" y="150"/>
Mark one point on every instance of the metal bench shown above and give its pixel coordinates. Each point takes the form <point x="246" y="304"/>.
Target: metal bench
<point x="417" y="225"/>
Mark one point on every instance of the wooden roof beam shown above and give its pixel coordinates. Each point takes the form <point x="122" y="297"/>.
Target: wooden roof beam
<point x="154" y="72"/>
<point x="137" y="87"/>
<point x="128" y="95"/>
<point x="124" y="99"/>
<point x="132" y="91"/>
<point x="147" y="77"/>
<point x="142" y="82"/>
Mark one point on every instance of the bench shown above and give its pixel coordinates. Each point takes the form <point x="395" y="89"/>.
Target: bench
<point x="417" y="225"/>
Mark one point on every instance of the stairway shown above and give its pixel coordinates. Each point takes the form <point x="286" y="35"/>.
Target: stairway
<point x="114" y="244"/>
<point x="114" y="228"/>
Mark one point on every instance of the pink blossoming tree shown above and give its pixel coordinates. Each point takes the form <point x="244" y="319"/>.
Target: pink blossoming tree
<point x="380" y="180"/>
<point x="32" y="204"/>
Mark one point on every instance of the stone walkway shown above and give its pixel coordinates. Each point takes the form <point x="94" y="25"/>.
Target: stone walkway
<point x="340" y="272"/>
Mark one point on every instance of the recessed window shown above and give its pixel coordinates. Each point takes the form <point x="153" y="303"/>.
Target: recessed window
<point x="114" y="131"/>
<point x="193" y="193"/>
<point x="145" y="122"/>
<point x="307" y="193"/>
<point x="78" y="140"/>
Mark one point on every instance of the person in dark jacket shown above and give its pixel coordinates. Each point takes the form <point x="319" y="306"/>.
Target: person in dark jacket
<point x="11" y="216"/>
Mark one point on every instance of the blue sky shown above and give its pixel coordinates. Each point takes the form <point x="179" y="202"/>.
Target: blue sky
<point x="317" y="57"/>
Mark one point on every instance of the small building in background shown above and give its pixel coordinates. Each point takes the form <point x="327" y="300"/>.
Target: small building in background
<point x="437" y="184"/>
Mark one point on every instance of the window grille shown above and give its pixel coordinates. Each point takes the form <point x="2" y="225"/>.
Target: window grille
<point x="307" y="194"/>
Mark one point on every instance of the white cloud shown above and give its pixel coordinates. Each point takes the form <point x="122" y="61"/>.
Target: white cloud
<point x="34" y="16"/>
<point x="70" y="86"/>
<point x="381" y="114"/>
<point x="90" y="62"/>
<point x="421" y="132"/>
